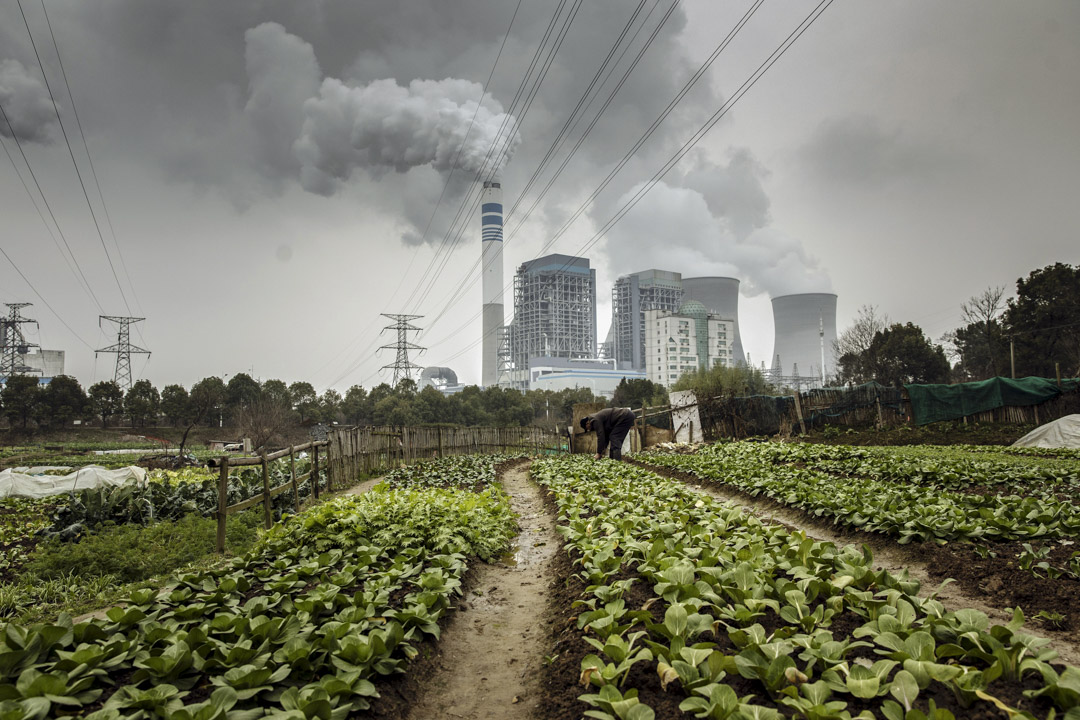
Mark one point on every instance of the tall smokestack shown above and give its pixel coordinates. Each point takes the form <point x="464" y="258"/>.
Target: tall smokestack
<point x="491" y="234"/>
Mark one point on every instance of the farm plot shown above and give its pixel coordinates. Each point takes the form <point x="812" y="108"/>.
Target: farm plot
<point x="683" y="604"/>
<point x="330" y="602"/>
<point x="1016" y="521"/>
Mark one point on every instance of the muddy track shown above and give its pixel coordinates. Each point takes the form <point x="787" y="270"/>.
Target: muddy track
<point x="887" y="554"/>
<point x="488" y="659"/>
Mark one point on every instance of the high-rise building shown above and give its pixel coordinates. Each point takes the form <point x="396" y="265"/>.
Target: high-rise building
<point x="491" y="235"/>
<point x="632" y="295"/>
<point x="554" y="314"/>
<point x="719" y="295"/>
<point x="805" y="327"/>
<point x="690" y="339"/>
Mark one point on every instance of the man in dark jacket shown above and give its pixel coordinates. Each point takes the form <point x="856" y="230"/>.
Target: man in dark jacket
<point x="611" y="426"/>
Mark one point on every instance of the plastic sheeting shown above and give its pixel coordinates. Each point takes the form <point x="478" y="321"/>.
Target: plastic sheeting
<point x="16" y="484"/>
<point x="1061" y="433"/>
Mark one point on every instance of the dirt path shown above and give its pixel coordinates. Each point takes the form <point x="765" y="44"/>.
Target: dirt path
<point x="490" y="653"/>
<point x="894" y="558"/>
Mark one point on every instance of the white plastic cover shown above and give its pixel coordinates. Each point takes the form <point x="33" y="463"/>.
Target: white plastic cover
<point x="1061" y="433"/>
<point x="15" y="484"/>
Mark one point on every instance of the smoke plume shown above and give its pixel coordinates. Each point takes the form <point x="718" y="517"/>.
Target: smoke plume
<point x="677" y="228"/>
<point x="327" y="131"/>
<point x="26" y="103"/>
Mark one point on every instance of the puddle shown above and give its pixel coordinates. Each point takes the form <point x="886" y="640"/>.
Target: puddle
<point x="510" y="559"/>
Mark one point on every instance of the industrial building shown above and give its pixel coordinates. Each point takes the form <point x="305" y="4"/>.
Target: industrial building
<point x="599" y="376"/>
<point x="632" y="295"/>
<point x="690" y="339"/>
<point x="46" y="363"/>
<point x="442" y="379"/>
<point x="805" y="334"/>
<point x="554" y="316"/>
<point x="491" y="242"/>
<point x="719" y="295"/>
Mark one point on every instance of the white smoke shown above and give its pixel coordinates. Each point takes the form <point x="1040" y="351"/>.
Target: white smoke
<point x="672" y="228"/>
<point x="26" y="103"/>
<point x="327" y="131"/>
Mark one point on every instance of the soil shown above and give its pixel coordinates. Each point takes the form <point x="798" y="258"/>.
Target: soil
<point x="487" y="663"/>
<point x="990" y="585"/>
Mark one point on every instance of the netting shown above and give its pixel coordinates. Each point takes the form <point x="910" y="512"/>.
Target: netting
<point x="933" y="403"/>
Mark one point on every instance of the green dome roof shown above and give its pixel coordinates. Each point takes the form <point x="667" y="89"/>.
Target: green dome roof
<point x="693" y="308"/>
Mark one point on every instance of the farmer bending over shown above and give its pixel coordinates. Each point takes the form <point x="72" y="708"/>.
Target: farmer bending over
<point x="611" y="426"/>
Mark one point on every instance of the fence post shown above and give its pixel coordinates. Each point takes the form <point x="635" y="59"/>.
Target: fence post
<point x="798" y="414"/>
<point x="223" y="500"/>
<point x="292" y="473"/>
<point x="315" y="471"/>
<point x="267" y="517"/>
<point x="440" y="442"/>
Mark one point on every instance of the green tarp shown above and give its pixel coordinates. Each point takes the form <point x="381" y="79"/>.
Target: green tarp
<point x="931" y="403"/>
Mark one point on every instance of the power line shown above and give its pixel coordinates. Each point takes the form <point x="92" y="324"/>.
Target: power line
<point x="86" y="284"/>
<point x="693" y="140"/>
<point x="637" y="145"/>
<point x="43" y="300"/>
<point x="78" y="173"/>
<point x="93" y="170"/>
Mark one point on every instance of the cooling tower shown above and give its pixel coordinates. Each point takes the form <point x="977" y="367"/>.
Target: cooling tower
<point x="798" y="321"/>
<point x="491" y="235"/>
<point x="719" y="295"/>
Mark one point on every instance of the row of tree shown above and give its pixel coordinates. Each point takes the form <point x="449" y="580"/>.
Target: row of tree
<point x="1037" y="331"/>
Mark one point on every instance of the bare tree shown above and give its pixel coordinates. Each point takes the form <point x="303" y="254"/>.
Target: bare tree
<point x="984" y="308"/>
<point x="856" y="339"/>
<point x="266" y="421"/>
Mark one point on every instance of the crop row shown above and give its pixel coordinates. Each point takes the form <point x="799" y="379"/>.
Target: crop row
<point x="908" y="511"/>
<point x="331" y="600"/>
<point x="944" y="468"/>
<point x="755" y="621"/>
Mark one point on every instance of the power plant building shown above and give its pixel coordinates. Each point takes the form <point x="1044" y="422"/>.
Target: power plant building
<point x="690" y="339"/>
<point x="805" y="333"/>
<point x="491" y="236"/>
<point x="719" y="295"/>
<point x="554" y="315"/>
<point x="631" y="297"/>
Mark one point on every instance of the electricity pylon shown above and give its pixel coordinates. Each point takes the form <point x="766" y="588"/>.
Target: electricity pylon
<point x="401" y="366"/>
<point x="14" y="342"/>
<point x="123" y="349"/>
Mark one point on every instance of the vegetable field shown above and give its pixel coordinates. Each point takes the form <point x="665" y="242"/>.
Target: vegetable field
<point x="564" y="587"/>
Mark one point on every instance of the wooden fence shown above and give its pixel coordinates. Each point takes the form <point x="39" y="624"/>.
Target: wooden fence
<point x="268" y="493"/>
<point x="355" y="452"/>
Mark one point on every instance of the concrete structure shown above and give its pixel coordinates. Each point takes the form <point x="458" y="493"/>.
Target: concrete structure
<point x="719" y="295"/>
<point x="554" y="315"/>
<point x="491" y="236"/>
<point x="691" y="339"/>
<point x="600" y="376"/>
<point x="442" y="379"/>
<point x="632" y="295"/>
<point x="47" y="363"/>
<point x="805" y="327"/>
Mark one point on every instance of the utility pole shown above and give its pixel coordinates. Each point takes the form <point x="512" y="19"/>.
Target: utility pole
<point x="401" y="366"/>
<point x="123" y="349"/>
<point x="14" y="342"/>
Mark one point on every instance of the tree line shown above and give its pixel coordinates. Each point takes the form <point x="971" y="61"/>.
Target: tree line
<point x="1037" y="330"/>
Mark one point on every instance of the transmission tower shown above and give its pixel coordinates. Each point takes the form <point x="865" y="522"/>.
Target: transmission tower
<point x="401" y="366"/>
<point x="14" y="342"/>
<point x="123" y="349"/>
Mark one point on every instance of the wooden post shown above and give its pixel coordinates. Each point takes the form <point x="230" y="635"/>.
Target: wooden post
<point x="315" y="472"/>
<point x="1057" y="371"/>
<point x="1012" y="357"/>
<point x="441" y="454"/>
<point x="880" y="420"/>
<point x="223" y="502"/>
<point x="798" y="413"/>
<point x="292" y="472"/>
<point x="268" y="519"/>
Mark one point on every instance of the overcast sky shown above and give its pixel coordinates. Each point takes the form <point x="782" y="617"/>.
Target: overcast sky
<point x="271" y="170"/>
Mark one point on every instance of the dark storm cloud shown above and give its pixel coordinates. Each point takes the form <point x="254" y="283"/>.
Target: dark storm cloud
<point x="26" y="104"/>
<point x="857" y="150"/>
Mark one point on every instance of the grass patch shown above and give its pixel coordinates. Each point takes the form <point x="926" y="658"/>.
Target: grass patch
<point x="116" y="559"/>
